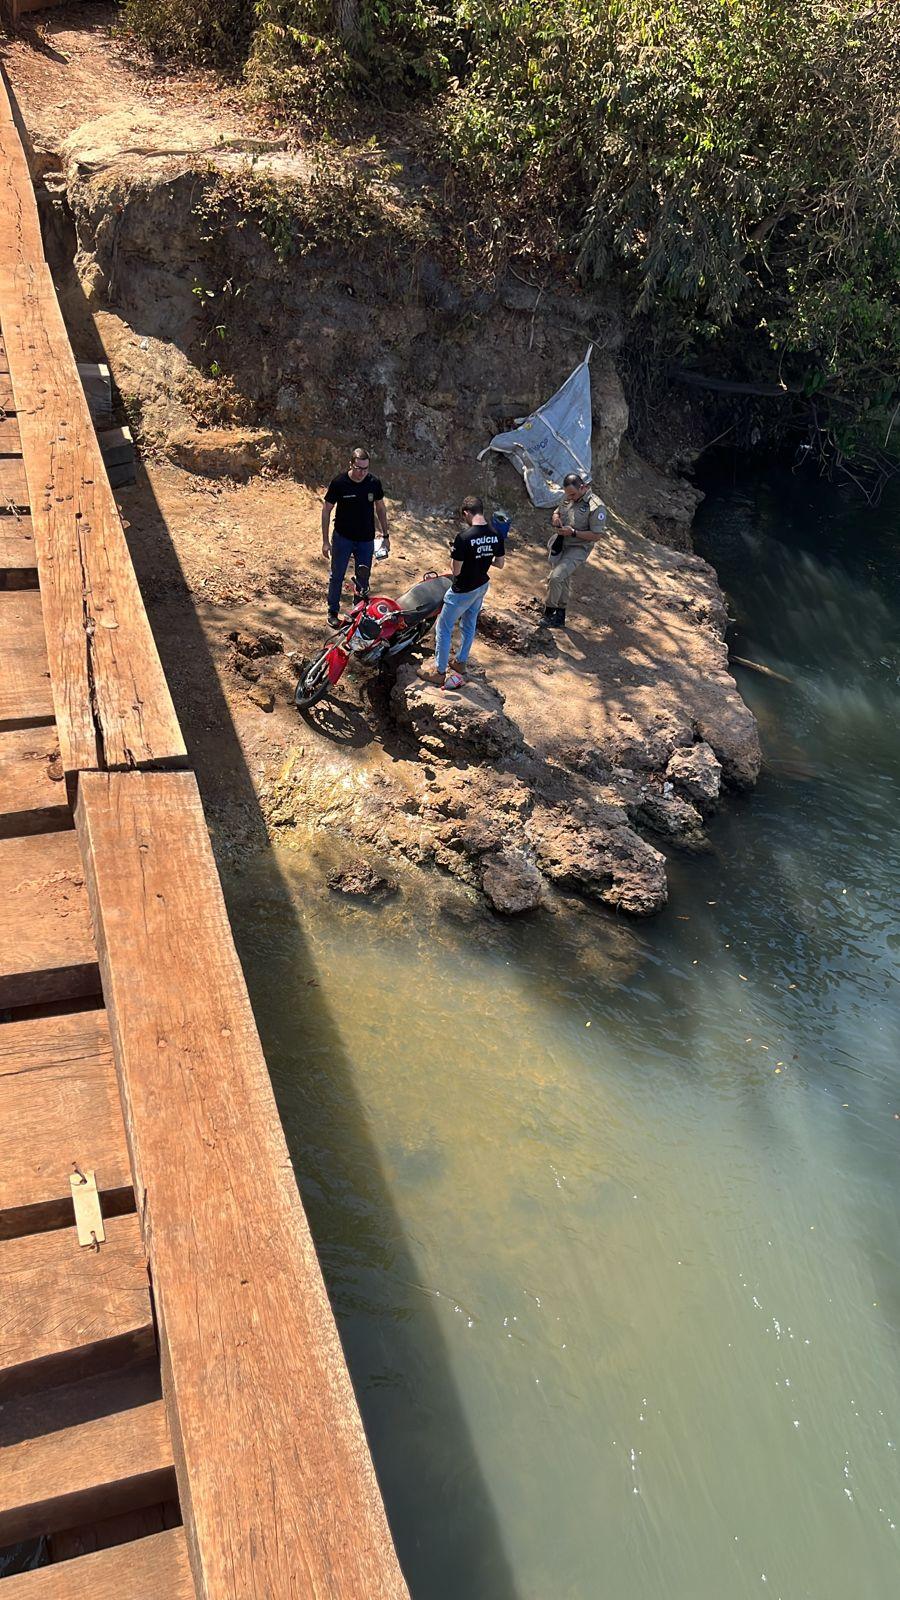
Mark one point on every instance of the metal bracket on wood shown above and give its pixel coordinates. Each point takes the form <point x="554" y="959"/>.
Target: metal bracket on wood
<point x="86" y="1200"/>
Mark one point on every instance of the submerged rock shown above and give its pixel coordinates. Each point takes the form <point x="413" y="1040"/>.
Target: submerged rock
<point x="362" y="882"/>
<point x="600" y="856"/>
<point x="512" y="883"/>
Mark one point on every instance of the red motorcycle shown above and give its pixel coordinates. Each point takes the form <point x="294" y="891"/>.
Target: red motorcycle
<point x="377" y="630"/>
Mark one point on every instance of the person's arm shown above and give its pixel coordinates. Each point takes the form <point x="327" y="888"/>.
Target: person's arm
<point x="556" y="519"/>
<point x="327" y="508"/>
<point x="498" y="561"/>
<point x="381" y="514"/>
<point x="596" y="524"/>
<point x="456" y="568"/>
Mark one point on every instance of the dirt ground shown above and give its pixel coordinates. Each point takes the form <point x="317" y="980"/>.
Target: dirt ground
<point x="67" y="67"/>
<point x="641" y="669"/>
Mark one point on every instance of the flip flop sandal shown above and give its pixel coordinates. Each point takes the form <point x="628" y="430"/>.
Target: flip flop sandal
<point x="454" y="680"/>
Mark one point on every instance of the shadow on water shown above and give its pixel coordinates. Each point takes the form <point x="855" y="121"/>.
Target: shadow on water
<point x="439" y="1527"/>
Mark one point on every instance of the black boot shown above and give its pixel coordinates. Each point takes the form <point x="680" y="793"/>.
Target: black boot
<point x="557" y="618"/>
<point x="547" y="618"/>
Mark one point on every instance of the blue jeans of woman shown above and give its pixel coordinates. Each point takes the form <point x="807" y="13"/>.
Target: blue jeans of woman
<point x="363" y="553"/>
<point x="462" y="609"/>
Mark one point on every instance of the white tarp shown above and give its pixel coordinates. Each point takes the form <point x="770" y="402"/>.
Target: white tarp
<point x="554" y="440"/>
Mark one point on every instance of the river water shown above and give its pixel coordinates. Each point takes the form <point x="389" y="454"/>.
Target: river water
<point x="609" y="1212"/>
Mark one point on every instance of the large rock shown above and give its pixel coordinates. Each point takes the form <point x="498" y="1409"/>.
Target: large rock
<point x="734" y="739"/>
<point x="599" y="855"/>
<point x="468" y="724"/>
<point x="511" y="882"/>
<point x="697" y="774"/>
<point x="671" y="816"/>
<point x="647" y="748"/>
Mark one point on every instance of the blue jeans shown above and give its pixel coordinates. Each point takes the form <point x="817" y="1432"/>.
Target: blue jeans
<point x="462" y="609"/>
<point x="363" y="553"/>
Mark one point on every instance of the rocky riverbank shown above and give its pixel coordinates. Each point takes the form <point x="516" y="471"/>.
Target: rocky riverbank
<point x="571" y="762"/>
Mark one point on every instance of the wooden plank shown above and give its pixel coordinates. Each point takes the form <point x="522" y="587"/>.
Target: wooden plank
<point x="7" y="401"/>
<point x="155" y="1568"/>
<point x="4" y="364"/>
<point x="46" y="948"/>
<point x="82" y="1451"/>
<point x="32" y="791"/>
<point x="59" y="1105"/>
<point x="25" y="695"/>
<point x="17" y="552"/>
<point x="10" y="438"/>
<point x="253" y="1371"/>
<point x="101" y="1535"/>
<point x="112" y="703"/>
<point x="69" y="1313"/>
<point x="13" y="483"/>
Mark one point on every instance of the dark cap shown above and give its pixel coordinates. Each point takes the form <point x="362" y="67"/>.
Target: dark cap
<point x="571" y="478"/>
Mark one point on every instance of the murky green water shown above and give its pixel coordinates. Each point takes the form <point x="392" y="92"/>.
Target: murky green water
<point x="609" y="1213"/>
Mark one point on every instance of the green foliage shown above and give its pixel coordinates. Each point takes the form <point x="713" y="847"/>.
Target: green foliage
<point x="739" y="159"/>
<point x="735" y="163"/>
<point x="312" y="58"/>
<point x="210" y="33"/>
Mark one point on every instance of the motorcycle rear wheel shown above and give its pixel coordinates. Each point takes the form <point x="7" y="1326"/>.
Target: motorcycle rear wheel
<point x="313" y="684"/>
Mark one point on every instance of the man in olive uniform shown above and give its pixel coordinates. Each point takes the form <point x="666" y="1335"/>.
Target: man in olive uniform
<point x="578" y="523"/>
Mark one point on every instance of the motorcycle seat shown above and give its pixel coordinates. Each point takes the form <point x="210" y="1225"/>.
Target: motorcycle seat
<point x="423" y="598"/>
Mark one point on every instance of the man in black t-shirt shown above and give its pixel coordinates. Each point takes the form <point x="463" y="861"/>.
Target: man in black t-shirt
<point x="474" y="551"/>
<point x="359" y="499"/>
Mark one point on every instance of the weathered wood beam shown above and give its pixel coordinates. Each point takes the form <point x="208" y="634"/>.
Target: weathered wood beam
<point x="25" y="696"/>
<point x="69" y="1311"/>
<point x="59" y="1104"/>
<point x="32" y="791"/>
<point x="85" y="1450"/>
<point x="17" y="553"/>
<point x="155" y="1568"/>
<point x="46" y="947"/>
<point x="112" y="704"/>
<point x="253" y="1371"/>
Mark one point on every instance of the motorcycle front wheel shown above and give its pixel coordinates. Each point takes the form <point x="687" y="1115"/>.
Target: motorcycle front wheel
<point x="313" y="684"/>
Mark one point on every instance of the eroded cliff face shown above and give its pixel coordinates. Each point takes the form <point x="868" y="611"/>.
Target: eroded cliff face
<point x="570" y="763"/>
<point x="264" y="343"/>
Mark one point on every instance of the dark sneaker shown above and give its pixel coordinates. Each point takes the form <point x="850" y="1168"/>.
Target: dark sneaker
<point x="556" y="619"/>
<point x="334" y="620"/>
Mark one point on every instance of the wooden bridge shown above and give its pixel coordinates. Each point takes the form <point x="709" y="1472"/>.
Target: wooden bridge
<point x="176" y="1417"/>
